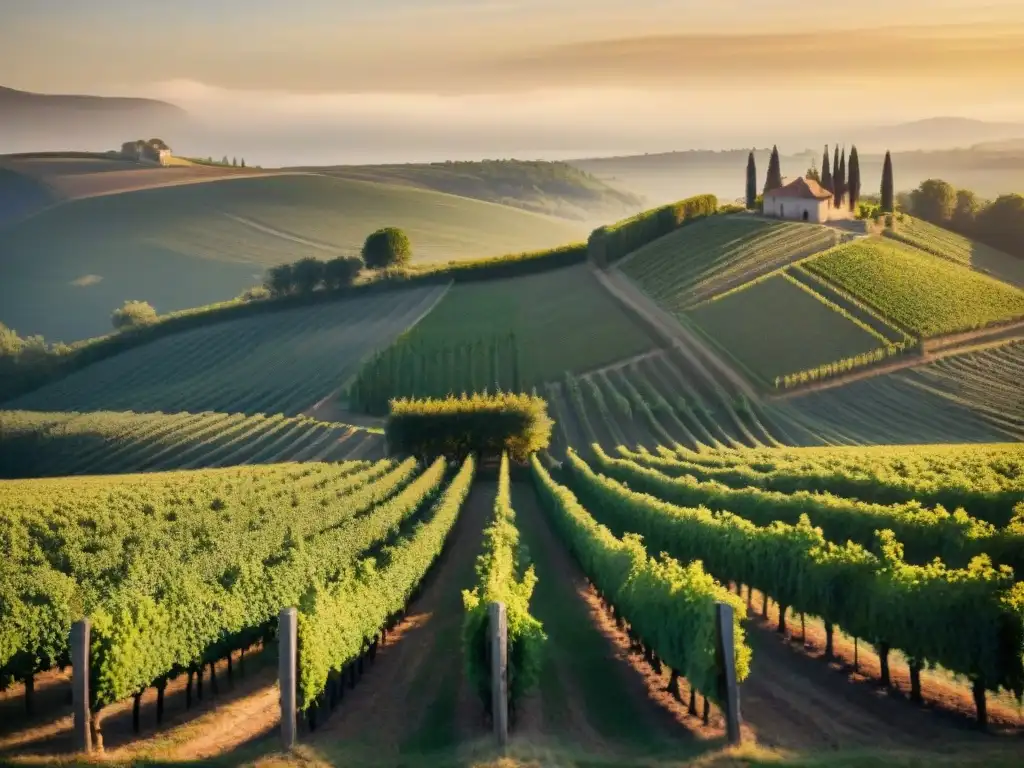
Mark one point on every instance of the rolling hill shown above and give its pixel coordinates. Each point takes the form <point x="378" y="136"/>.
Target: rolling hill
<point x="556" y="189"/>
<point x="65" y="270"/>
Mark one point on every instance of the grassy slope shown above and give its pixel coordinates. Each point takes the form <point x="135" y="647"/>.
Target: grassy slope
<point x="563" y="320"/>
<point x="274" y="363"/>
<point x="920" y="292"/>
<point x="556" y="189"/>
<point x="55" y="444"/>
<point x="703" y="259"/>
<point x="950" y="245"/>
<point x="188" y="245"/>
<point x="774" y="327"/>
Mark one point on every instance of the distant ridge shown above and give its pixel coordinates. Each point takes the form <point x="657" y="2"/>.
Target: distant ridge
<point x="35" y="122"/>
<point x="21" y="104"/>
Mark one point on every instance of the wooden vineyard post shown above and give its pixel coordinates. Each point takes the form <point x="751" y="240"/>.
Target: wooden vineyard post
<point x="79" y="640"/>
<point x="287" y="638"/>
<point x="498" y="626"/>
<point x="729" y="690"/>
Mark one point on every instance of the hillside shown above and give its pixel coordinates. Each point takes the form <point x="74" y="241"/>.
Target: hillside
<point x="34" y="444"/>
<point x="278" y="362"/>
<point x="971" y="397"/>
<point x="556" y="189"/>
<point x="74" y="175"/>
<point x="957" y="248"/>
<point x="182" y="246"/>
<point x="924" y="294"/>
<point x="36" y="121"/>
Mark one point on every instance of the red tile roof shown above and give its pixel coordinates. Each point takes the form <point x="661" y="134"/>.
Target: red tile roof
<point x="807" y="189"/>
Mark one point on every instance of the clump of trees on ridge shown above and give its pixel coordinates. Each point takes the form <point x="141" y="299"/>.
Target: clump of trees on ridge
<point x="998" y="223"/>
<point x="386" y="248"/>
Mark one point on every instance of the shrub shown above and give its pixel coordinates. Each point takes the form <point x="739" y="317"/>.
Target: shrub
<point x="133" y="314"/>
<point x="487" y="425"/>
<point x="256" y="293"/>
<point x="280" y="281"/>
<point x="307" y="274"/>
<point x="341" y="271"/>
<point x="388" y="247"/>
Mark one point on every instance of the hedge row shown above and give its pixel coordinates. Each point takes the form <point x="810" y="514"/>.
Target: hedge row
<point x="486" y="425"/>
<point x="610" y="243"/>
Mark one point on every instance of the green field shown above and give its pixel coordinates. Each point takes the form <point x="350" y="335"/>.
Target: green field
<point x="561" y="321"/>
<point x="183" y="246"/>
<point x="918" y="291"/>
<point x="705" y="258"/>
<point x="276" y="362"/>
<point x="774" y="327"/>
<point x="551" y="188"/>
<point x="34" y="444"/>
<point x="972" y="397"/>
<point x="950" y="245"/>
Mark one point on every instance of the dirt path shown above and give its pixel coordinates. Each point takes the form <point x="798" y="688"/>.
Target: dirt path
<point x="794" y="699"/>
<point x="414" y="699"/>
<point x="590" y="695"/>
<point x="674" y="332"/>
<point x="244" y="710"/>
<point x="282" y="235"/>
<point x="936" y="349"/>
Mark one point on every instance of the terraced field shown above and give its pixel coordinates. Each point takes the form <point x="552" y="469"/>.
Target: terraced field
<point x="972" y="397"/>
<point x="280" y="362"/>
<point x="709" y="257"/>
<point x="561" y="321"/>
<point x="34" y="444"/>
<point x="183" y="246"/>
<point x="921" y="293"/>
<point x="663" y="398"/>
<point x="949" y="245"/>
<point x="778" y="326"/>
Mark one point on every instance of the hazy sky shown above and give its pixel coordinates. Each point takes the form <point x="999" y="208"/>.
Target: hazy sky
<point x="530" y="74"/>
<point x="484" y="46"/>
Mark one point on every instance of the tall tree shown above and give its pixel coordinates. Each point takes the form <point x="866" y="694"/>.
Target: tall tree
<point x="751" y="182"/>
<point x="933" y="201"/>
<point x="774" y="180"/>
<point x="835" y="176"/>
<point x="887" y="184"/>
<point x="853" y="179"/>
<point x="965" y="212"/>
<point x="826" y="171"/>
<point x="842" y="178"/>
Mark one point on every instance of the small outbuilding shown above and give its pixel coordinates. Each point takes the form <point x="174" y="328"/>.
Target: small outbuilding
<point x="800" y="200"/>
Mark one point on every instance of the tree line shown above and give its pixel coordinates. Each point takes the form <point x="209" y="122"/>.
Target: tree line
<point x="998" y="223"/>
<point x="842" y="180"/>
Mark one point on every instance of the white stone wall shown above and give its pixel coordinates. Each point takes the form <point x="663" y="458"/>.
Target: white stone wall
<point x="794" y="208"/>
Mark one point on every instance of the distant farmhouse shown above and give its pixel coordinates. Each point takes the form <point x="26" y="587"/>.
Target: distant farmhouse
<point x="152" y="151"/>
<point x="801" y="200"/>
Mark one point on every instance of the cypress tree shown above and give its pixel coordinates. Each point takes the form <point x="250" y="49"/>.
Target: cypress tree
<point x="887" y="185"/>
<point x="836" y="180"/>
<point x="751" y="182"/>
<point x="826" y="171"/>
<point x="853" y="179"/>
<point x="843" y="184"/>
<point x="774" y="180"/>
